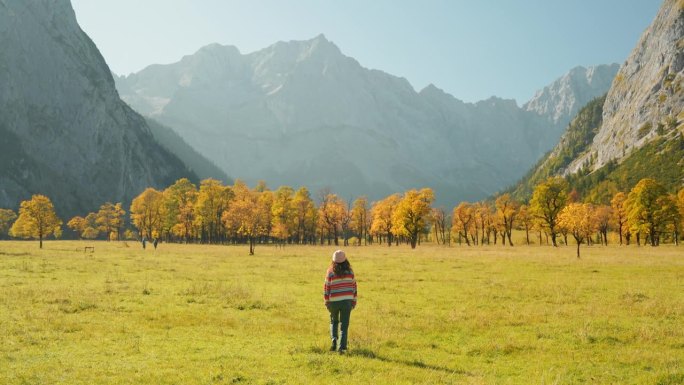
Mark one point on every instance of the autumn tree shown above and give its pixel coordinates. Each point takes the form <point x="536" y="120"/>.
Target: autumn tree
<point x="147" y="212"/>
<point x="360" y="219"/>
<point x="110" y="220"/>
<point x="412" y="214"/>
<point x="37" y="219"/>
<point x="265" y="211"/>
<point x="507" y="208"/>
<point x="86" y="228"/>
<point x="602" y="216"/>
<point x="284" y="213"/>
<point x="180" y="200"/>
<point x="7" y="217"/>
<point x="669" y="213"/>
<point x="548" y="200"/>
<point x="483" y="219"/>
<point x="331" y="213"/>
<point x="619" y="213"/>
<point x="212" y="200"/>
<point x="645" y="211"/>
<point x="439" y="225"/>
<point x="462" y="220"/>
<point x="247" y="215"/>
<point x="577" y="219"/>
<point x="381" y="213"/>
<point x="525" y="221"/>
<point x="305" y="216"/>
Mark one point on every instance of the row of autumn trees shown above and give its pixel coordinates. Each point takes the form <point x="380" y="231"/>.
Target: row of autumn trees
<point x="647" y="212"/>
<point x="219" y="214"/>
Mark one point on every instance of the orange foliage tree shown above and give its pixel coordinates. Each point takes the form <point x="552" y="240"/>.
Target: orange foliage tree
<point x="37" y="219"/>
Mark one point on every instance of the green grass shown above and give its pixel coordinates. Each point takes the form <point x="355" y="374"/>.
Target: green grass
<point x="459" y="315"/>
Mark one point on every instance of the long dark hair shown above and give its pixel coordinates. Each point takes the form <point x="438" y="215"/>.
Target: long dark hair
<point x="341" y="268"/>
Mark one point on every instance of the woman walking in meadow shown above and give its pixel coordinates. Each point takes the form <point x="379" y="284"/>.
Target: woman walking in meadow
<point x="339" y="293"/>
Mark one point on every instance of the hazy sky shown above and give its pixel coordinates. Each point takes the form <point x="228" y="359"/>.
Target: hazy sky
<point x="471" y="49"/>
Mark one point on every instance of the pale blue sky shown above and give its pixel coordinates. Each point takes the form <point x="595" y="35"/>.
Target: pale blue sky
<point x="471" y="49"/>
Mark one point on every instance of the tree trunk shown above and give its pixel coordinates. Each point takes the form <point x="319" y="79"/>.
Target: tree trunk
<point x="578" y="247"/>
<point x="620" y="233"/>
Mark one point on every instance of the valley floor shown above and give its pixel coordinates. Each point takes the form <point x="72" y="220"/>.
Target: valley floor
<point x="192" y="314"/>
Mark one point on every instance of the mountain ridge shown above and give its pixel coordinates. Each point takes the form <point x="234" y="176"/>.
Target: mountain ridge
<point x="264" y="110"/>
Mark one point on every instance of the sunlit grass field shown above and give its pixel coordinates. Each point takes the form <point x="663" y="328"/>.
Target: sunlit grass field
<point x="193" y="314"/>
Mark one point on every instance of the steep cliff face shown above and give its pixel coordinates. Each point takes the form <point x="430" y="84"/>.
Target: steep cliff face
<point x="561" y="100"/>
<point x="646" y="98"/>
<point x="69" y="135"/>
<point x="638" y="131"/>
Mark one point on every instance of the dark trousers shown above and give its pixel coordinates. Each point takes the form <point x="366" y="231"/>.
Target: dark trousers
<point x="340" y="312"/>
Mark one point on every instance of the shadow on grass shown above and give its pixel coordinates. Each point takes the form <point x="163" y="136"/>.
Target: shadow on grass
<point x="13" y="254"/>
<point x="367" y="353"/>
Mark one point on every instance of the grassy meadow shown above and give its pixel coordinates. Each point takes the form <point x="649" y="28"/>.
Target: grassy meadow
<point x="194" y="314"/>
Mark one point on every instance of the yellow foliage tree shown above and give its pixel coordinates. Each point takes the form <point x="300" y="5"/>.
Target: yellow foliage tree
<point x="331" y="213"/>
<point x="412" y="214"/>
<point x="463" y="220"/>
<point x="248" y="214"/>
<point x="381" y="212"/>
<point x="525" y="221"/>
<point x="360" y="220"/>
<point x="180" y="200"/>
<point x="602" y="216"/>
<point x="213" y="199"/>
<point x="620" y="214"/>
<point x="110" y="220"/>
<point x="548" y="200"/>
<point x="306" y="214"/>
<point x="507" y="209"/>
<point x="147" y="212"/>
<point x="37" y="219"/>
<point x="578" y="220"/>
<point x="284" y="213"/>
<point x="648" y="209"/>
<point x="7" y="216"/>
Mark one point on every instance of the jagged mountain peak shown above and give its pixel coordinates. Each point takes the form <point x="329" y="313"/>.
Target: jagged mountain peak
<point x="215" y="49"/>
<point x="301" y="112"/>
<point x="562" y="99"/>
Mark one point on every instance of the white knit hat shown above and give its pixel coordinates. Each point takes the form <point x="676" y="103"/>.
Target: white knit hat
<point x="339" y="256"/>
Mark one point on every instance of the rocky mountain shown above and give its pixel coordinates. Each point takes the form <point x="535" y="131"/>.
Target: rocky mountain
<point x="640" y="131"/>
<point x="561" y="100"/>
<point x="303" y="113"/>
<point x="64" y="131"/>
<point x="647" y="96"/>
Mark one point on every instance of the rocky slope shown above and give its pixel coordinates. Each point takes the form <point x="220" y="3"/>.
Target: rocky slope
<point x="303" y="113"/>
<point x="637" y="131"/>
<point x="64" y="131"/>
<point x="646" y="99"/>
<point x="561" y="100"/>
